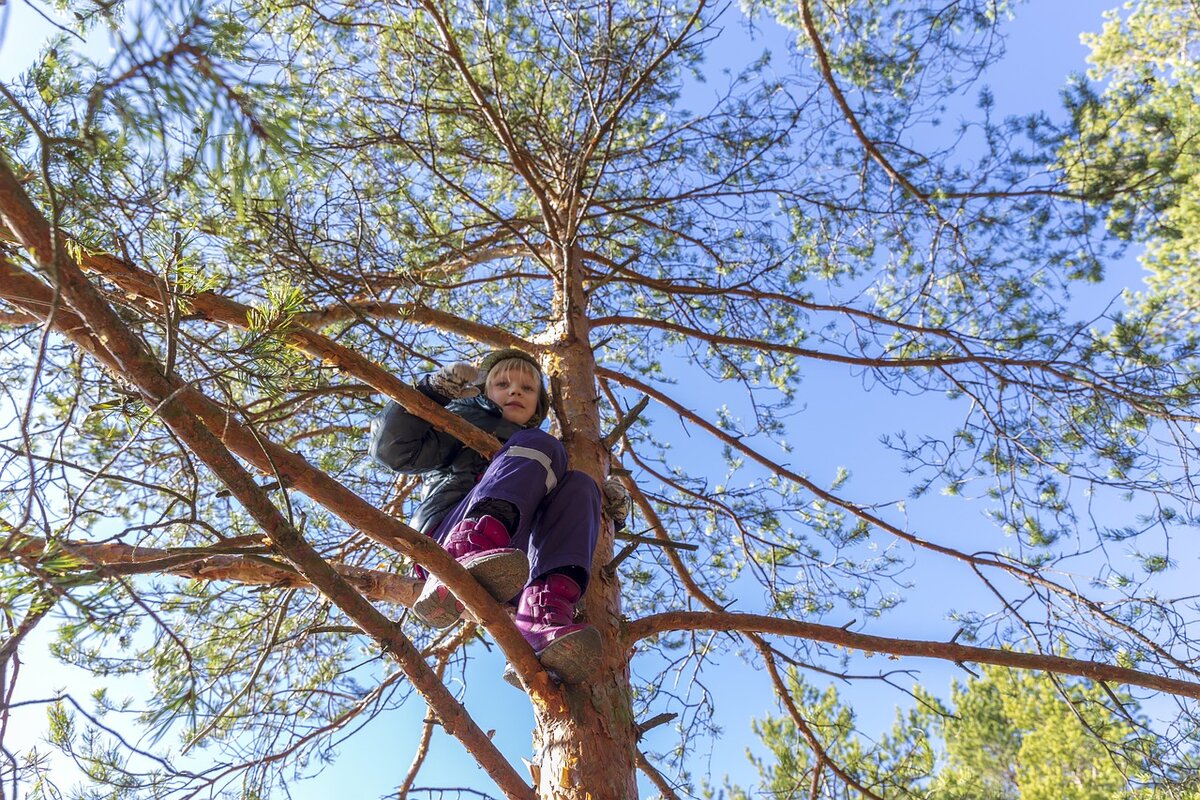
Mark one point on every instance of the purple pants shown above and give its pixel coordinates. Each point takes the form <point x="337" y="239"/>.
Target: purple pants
<point x="560" y="508"/>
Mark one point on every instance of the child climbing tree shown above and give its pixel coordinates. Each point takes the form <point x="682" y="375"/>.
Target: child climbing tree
<point x="230" y="247"/>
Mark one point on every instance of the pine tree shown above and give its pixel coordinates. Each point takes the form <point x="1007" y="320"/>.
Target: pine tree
<point x="1005" y="735"/>
<point x="234" y="242"/>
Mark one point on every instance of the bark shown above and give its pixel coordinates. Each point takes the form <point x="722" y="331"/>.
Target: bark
<point x="868" y="643"/>
<point x="17" y="318"/>
<point x="203" y="564"/>
<point x="596" y="717"/>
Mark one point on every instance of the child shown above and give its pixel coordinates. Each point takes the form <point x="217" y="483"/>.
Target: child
<point x="522" y="523"/>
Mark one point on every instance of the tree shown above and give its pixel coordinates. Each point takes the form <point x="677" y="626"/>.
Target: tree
<point x="1141" y="131"/>
<point x="261" y="219"/>
<point x="1007" y="735"/>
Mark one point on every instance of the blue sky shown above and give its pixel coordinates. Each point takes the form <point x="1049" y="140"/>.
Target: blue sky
<point x="1043" y="48"/>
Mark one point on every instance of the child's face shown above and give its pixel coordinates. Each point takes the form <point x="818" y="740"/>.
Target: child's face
<point x="516" y="392"/>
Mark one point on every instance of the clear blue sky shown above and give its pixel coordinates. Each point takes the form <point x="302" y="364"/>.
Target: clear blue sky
<point x="1043" y="48"/>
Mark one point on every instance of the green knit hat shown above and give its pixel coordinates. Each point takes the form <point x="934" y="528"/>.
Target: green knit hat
<point x="495" y="357"/>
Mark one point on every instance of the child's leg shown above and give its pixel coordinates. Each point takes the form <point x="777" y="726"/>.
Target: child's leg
<point x="528" y="468"/>
<point x="561" y="546"/>
<point x="564" y="536"/>
<point x="487" y="532"/>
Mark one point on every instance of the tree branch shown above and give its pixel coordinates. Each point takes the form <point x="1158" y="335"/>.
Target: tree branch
<point x="656" y="777"/>
<point x="1015" y="569"/>
<point x="810" y="28"/>
<point x="194" y="418"/>
<point x="415" y="312"/>
<point x="210" y="564"/>
<point x="213" y="307"/>
<point x="818" y="748"/>
<point x="271" y="459"/>
<point x="520" y="158"/>
<point x="944" y="651"/>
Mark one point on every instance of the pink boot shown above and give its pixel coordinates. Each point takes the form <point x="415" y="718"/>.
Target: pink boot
<point x="545" y="617"/>
<point x="481" y="546"/>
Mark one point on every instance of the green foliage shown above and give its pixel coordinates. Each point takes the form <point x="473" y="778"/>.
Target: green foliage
<point x="741" y="252"/>
<point x="898" y="765"/>
<point x="1140" y="133"/>
<point x="1005" y="735"/>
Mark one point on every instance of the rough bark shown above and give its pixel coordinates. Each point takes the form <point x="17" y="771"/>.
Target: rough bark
<point x="595" y="717"/>
<point x="209" y="564"/>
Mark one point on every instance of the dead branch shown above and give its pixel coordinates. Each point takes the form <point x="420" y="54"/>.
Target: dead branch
<point x="656" y="541"/>
<point x="210" y="564"/>
<point x="623" y="424"/>
<point x="654" y="722"/>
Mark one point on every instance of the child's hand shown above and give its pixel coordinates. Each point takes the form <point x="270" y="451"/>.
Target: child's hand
<point x="456" y="381"/>
<point x="617" y="502"/>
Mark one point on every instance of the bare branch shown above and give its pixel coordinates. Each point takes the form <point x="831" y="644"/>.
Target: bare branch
<point x="944" y="651"/>
<point x="215" y="563"/>
<point x="623" y="424"/>
<point x="656" y="777"/>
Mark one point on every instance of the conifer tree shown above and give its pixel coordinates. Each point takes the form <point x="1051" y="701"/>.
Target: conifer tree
<point x="228" y="246"/>
<point x="1005" y="735"/>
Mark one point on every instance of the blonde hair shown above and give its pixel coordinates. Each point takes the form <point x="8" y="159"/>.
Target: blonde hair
<point x="510" y="359"/>
<point x="518" y="365"/>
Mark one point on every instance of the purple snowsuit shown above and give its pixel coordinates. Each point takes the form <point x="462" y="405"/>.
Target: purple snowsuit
<point x="559" y="508"/>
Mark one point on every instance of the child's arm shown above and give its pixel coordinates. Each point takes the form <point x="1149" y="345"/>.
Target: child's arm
<point x="406" y="443"/>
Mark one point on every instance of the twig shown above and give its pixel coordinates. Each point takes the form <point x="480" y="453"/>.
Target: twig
<point x="654" y="722"/>
<point x="656" y="777"/>
<point x="623" y="424"/>
<point x="610" y="568"/>
<point x="802" y="724"/>
<point x="633" y="537"/>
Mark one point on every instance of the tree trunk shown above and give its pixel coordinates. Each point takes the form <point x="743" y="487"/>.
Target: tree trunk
<point x="586" y="749"/>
